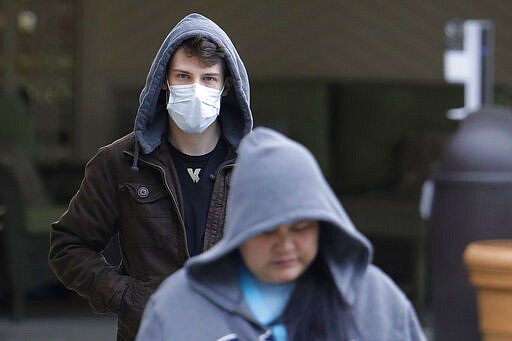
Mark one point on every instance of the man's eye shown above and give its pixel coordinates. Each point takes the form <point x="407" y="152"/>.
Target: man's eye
<point x="181" y="76"/>
<point x="210" y="79"/>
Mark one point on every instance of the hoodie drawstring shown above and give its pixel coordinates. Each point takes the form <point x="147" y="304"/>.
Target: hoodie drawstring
<point x="135" y="166"/>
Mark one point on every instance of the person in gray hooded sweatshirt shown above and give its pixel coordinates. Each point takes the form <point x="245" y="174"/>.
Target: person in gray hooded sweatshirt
<point x="291" y="265"/>
<point x="161" y="189"/>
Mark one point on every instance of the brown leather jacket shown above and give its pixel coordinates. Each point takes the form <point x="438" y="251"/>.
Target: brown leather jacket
<point x="145" y="208"/>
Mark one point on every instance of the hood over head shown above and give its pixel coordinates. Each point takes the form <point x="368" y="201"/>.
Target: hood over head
<point x="278" y="181"/>
<point x="235" y="113"/>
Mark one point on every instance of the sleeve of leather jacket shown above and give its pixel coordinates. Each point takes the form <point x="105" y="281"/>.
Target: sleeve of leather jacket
<point x="83" y="232"/>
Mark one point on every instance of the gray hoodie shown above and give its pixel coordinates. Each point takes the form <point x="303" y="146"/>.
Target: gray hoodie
<point x="277" y="181"/>
<point x="235" y="116"/>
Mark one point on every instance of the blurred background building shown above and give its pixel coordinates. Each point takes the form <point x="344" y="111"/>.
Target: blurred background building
<point x="358" y="82"/>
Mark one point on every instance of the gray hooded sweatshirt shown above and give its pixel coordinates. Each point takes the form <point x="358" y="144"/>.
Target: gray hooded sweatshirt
<point x="277" y="181"/>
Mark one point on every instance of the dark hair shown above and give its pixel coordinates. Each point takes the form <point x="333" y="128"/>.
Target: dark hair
<point x="206" y="51"/>
<point x="315" y="309"/>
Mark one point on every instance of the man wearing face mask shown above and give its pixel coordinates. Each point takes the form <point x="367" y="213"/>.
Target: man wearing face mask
<point x="161" y="189"/>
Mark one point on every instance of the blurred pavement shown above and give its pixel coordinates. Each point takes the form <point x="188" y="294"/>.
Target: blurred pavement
<point x="57" y="317"/>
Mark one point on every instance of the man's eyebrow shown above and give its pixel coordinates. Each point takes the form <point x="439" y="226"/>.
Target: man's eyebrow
<point x="212" y="73"/>
<point x="204" y="74"/>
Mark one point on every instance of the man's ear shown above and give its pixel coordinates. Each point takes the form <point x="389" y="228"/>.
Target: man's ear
<point x="228" y="84"/>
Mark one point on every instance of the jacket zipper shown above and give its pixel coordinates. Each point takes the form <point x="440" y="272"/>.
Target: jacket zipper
<point x="227" y="164"/>
<point x="175" y="201"/>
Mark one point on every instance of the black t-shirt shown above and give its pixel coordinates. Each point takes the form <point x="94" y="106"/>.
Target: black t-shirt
<point x="196" y="180"/>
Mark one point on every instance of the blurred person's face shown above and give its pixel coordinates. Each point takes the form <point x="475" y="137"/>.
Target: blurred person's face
<point x="283" y="254"/>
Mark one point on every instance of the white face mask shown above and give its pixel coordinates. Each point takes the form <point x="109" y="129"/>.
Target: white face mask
<point x="193" y="107"/>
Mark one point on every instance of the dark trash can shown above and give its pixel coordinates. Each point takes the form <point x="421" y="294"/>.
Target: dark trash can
<point x="472" y="201"/>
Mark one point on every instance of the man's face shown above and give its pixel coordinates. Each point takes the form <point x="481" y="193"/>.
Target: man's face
<point x="185" y="69"/>
<point x="282" y="255"/>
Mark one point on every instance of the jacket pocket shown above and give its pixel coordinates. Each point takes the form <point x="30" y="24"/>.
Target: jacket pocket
<point x="144" y="194"/>
<point x="148" y="217"/>
<point x="132" y="307"/>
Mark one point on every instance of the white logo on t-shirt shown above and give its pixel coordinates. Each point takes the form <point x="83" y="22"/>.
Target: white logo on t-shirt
<point x="194" y="174"/>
